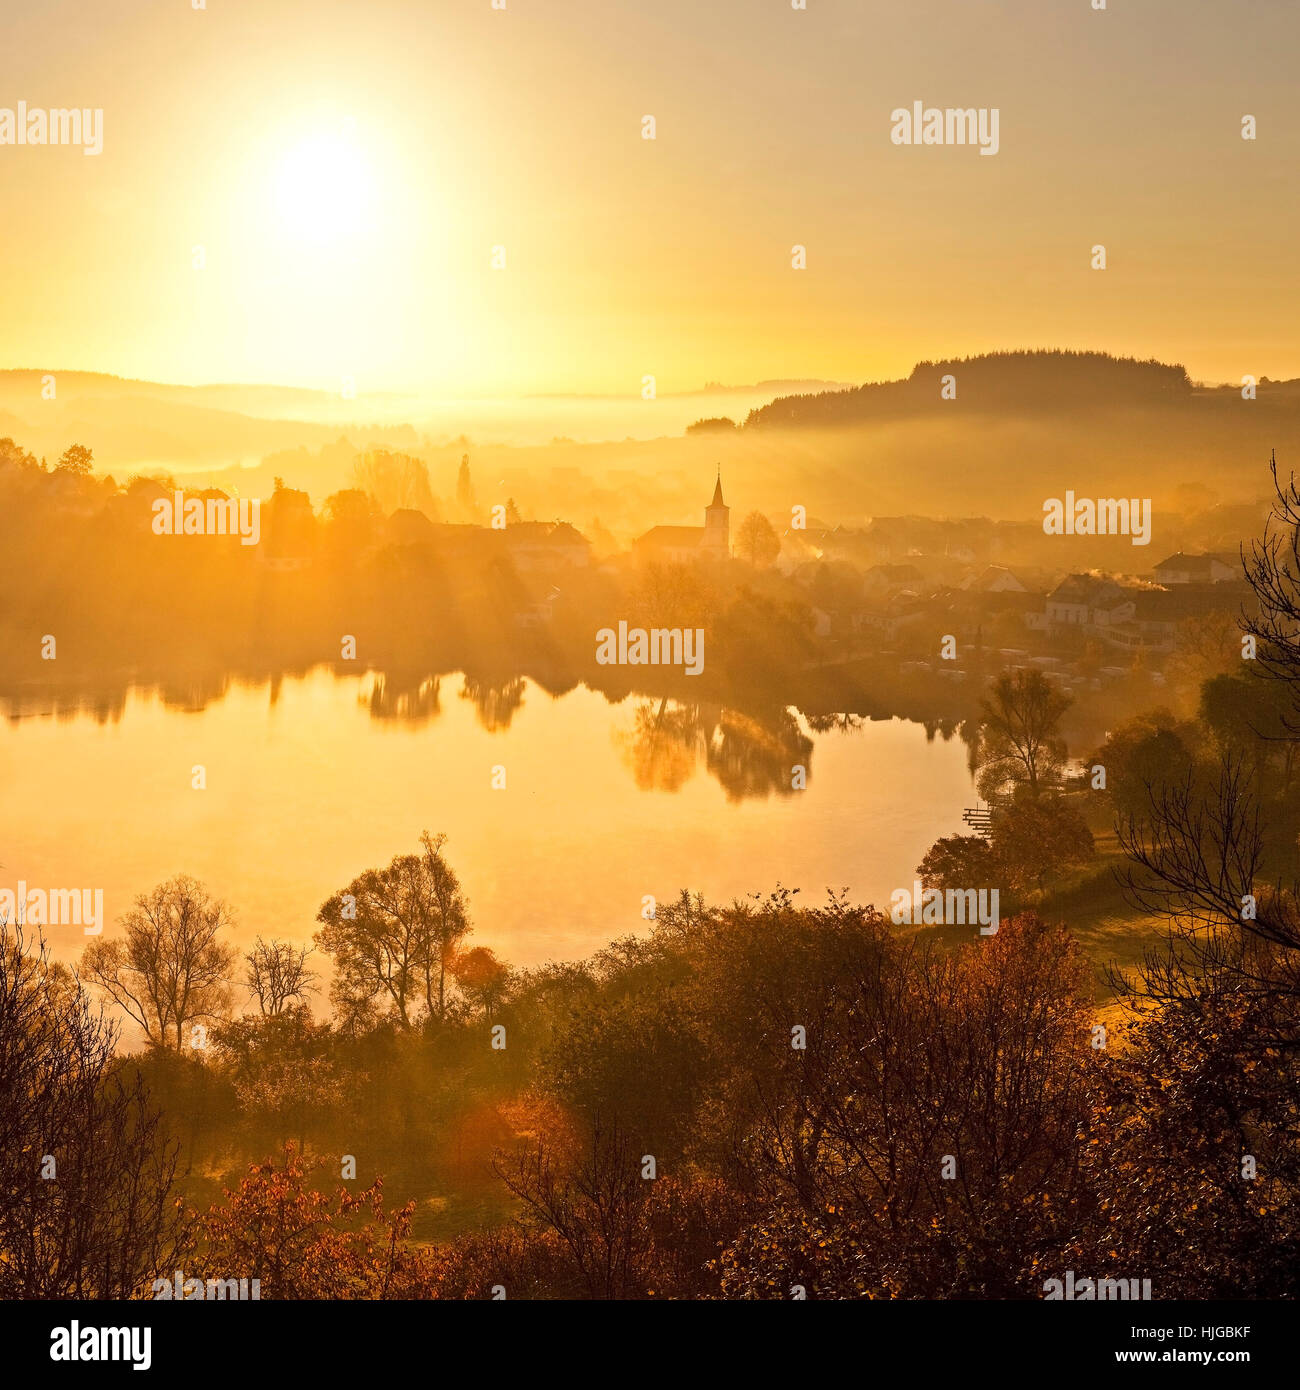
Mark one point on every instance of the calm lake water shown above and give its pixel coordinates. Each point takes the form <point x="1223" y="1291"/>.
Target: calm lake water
<point x="311" y="780"/>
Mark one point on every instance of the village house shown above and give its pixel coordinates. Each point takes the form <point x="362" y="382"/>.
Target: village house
<point x="1160" y="612"/>
<point x="407" y="526"/>
<point x="545" y="545"/>
<point x="1087" y="601"/>
<point x="893" y="579"/>
<point x="993" y="579"/>
<point x="1197" y="569"/>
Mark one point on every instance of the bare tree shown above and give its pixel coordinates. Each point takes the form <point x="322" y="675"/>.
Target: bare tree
<point x="1196" y="859"/>
<point x="1197" y="847"/>
<point x="1197" y="851"/>
<point x="87" y="1174"/>
<point x="1272" y="566"/>
<point x="395" y="481"/>
<point x="594" y="1203"/>
<point x="1019" y="733"/>
<point x="169" y="969"/>
<point x="278" y="974"/>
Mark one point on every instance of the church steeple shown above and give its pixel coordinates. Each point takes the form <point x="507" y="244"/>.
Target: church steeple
<point x="717" y="522"/>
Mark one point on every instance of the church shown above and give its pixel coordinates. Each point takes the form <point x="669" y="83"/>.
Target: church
<point x="683" y="545"/>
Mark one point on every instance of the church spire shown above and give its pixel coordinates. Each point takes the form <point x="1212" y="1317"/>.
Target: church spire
<point x="717" y="528"/>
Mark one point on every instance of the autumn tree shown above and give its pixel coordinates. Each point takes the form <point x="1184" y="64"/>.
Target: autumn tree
<point x="1250" y="714"/>
<point x="959" y="861"/>
<point x="903" y="1053"/>
<point x="1191" y="1162"/>
<point x="757" y="541"/>
<point x="482" y="979"/>
<point x="1036" y="840"/>
<point x="1151" y="750"/>
<point x="671" y="595"/>
<point x="284" y="1069"/>
<point x="14" y="456"/>
<point x="605" y="1229"/>
<point x="393" y="933"/>
<point x="1020" y="738"/>
<point x="76" y="459"/>
<point x="305" y="1243"/>
<point x="277" y="974"/>
<point x="1204" y="646"/>
<point x="597" y="1063"/>
<point x="354" y="522"/>
<point x="87" y="1173"/>
<point x="169" y="970"/>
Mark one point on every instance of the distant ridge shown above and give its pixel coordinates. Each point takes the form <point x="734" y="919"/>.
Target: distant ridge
<point x="1026" y="381"/>
<point x="29" y="379"/>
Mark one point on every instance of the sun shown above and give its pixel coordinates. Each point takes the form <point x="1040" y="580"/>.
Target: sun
<point x="323" y="189"/>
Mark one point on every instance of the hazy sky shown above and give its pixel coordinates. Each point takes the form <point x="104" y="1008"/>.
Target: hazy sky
<point x="348" y="168"/>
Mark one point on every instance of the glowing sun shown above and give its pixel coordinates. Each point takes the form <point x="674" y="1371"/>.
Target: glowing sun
<point x="323" y="189"/>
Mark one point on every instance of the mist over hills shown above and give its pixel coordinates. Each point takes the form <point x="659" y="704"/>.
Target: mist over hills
<point x="1025" y="425"/>
<point x="133" y="425"/>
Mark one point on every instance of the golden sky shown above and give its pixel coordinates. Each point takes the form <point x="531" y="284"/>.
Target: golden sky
<point x="348" y="168"/>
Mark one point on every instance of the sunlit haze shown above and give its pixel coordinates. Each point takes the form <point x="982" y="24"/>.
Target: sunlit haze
<point x="348" y="171"/>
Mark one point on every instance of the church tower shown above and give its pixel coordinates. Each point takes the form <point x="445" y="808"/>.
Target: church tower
<point x="717" y="524"/>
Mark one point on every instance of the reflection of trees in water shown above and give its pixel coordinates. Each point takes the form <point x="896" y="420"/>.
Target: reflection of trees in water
<point x="663" y="745"/>
<point x="105" y="706"/>
<point x="969" y="729"/>
<point x="839" y="723"/>
<point x="496" y="701"/>
<point x="750" y="755"/>
<point x="194" y="691"/>
<point x="944" y="728"/>
<point x="410" y="700"/>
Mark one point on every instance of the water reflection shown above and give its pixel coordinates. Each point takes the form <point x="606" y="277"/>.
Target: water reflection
<point x="749" y="754"/>
<point x="496" y="701"/>
<point x="102" y="794"/>
<point x="410" y="700"/>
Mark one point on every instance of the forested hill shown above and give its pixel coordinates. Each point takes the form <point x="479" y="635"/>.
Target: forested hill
<point x="1005" y="381"/>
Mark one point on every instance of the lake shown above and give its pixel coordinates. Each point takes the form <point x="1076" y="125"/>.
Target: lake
<point x="312" y="779"/>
